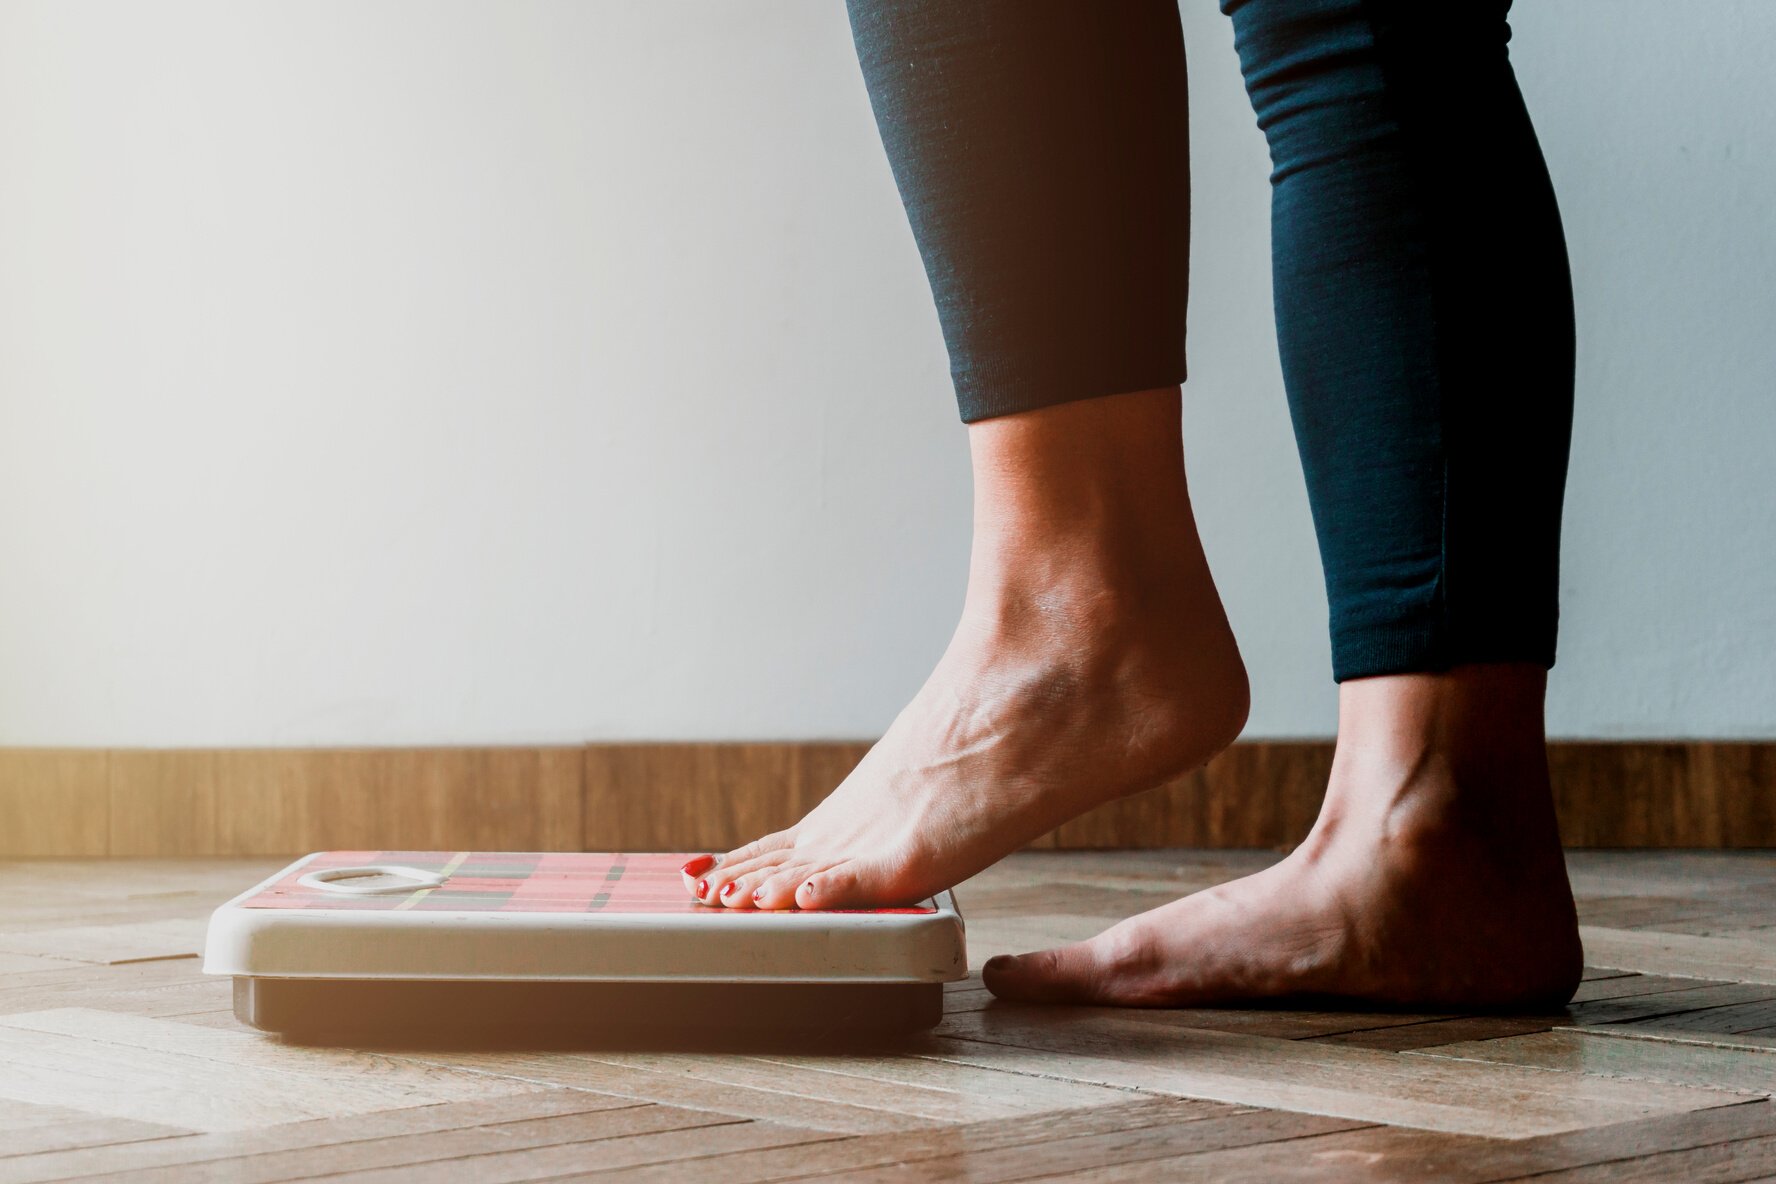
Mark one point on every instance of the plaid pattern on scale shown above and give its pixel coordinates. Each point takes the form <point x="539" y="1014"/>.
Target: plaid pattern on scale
<point x="510" y="882"/>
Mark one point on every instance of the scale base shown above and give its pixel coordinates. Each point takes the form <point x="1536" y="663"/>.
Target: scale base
<point x="385" y="1012"/>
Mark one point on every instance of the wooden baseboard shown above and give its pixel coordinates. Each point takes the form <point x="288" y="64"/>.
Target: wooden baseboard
<point x="132" y="802"/>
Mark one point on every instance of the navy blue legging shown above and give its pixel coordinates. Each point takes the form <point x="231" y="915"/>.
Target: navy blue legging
<point x="1423" y="303"/>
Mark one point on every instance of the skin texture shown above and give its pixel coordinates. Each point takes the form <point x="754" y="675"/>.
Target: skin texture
<point x="1093" y="660"/>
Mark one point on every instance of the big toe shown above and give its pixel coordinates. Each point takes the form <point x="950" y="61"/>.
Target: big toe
<point x="1111" y="968"/>
<point x="1066" y="974"/>
<point x="854" y="884"/>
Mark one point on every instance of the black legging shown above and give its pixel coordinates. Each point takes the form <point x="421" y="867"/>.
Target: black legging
<point x="1423" y="304"/>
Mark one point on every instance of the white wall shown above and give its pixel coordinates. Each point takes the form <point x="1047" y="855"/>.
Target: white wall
<point x="423" y="372"/>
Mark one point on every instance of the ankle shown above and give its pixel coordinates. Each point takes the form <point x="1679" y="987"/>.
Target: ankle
<point x="1455" y="758"/>
<point x="1094" y="476"/>
<point x="1082" y="512"/>
<point x="1086" y="601"/>
<point x="1471" y="719"/>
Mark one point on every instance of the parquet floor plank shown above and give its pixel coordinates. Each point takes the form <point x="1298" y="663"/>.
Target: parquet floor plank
<point x="436" y="1152"/>
<point x="162" y="1071"/>
<point x="1675" y="1009"/>
<point x="192" y="1156"/>
<point x="1023" y="1094"/>
<point x="27" y="1128"/>
<point x="1395" y="1155"/>
<point x="1599" y="1052"/>
<point x="1282" y="1023"/>
<point x="1620" y="984"/>
<point x="23" y="963"/>
<point x="702" y="1144"/>
<point x="1302" y="1075"/>
<point x="1680" y="954"/>
<point x="919" y="1150"/>
<point x="140" y="988"/>
<point x="1129" y="1150"/>
<point x="779" y="1101"/>
<point x="1725" y="1018"/>
<point x="1755" y="1017"/>
<point x="1596" y="874"/>
<point x="110" y="945"/>
<point x="1722" y="1163"/>
<point x="932" y="1105"/>
<point x="1405" y="1037"/>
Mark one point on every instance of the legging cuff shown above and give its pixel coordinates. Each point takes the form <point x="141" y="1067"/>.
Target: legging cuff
<point x="1371" y="653"/>
<point x="986" y="392"/>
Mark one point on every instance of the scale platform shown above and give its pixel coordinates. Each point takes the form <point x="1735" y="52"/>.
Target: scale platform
<point x="468" y="946"/>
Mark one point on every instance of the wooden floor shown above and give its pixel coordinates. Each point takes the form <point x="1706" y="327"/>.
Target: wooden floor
<point x="118" y="1060"/>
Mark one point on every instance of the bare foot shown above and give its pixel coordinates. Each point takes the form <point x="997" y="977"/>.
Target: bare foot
<point x="1093" y="660"/>
<point x="1434" y="876"/>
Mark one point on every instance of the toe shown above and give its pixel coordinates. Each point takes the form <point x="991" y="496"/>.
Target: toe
<point x="852" y="884"/>
<point x="694" y="870"/>
<point x="1066" y="974"/>
<point x="777" y="888"/>
<point x="734" y="886"/>
<point x="718" y="886"/>
<point x="1114" y="967"/>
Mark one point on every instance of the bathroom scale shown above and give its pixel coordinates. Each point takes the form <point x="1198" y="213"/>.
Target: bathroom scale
<point x="466" y="945"/>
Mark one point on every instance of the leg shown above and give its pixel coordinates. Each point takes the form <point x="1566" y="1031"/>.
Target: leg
<point x="1040" y="149"/>
<point x="1424" y="313"/>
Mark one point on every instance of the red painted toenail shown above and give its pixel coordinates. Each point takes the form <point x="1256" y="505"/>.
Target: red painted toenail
<point x="702" y="887"/>
<point x="727" y="889"/>
<point x="699" y="865"/>
<point x="758" y="894"/>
